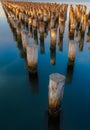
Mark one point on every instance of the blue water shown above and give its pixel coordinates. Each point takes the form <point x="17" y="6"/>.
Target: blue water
<point x="24" y="99"/>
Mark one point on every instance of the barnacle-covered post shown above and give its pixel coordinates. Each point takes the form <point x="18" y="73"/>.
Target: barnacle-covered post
<point x="56" y="90"/>
<point x="32" y="58"/>
<point x="72" y="51"/>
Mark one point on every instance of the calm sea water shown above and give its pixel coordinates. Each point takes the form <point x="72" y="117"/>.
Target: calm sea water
<point x="24" y="99"/>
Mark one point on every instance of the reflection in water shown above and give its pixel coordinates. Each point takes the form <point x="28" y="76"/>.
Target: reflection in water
<point x="33" y="81"/>
<point x="54" y="123"/>
<point x="52" y="56"/>
<point x="42" y="47"/>
<point x="69" y="73"/>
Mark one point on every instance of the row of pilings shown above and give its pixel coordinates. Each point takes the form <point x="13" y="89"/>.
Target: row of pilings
<point x="40" y="16"/>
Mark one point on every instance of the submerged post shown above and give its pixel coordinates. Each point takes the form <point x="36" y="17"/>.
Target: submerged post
<point x="32" y="57"/>
<point x="56" y="90"/>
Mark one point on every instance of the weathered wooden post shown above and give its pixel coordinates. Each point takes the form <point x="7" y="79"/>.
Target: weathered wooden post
<point x="56" y="90"/>
<point x="32" y="58"/>
<point x="53" y="35"/>
<point x="41" y="27"/>
<point x="18" y="31"/>
<point x="60" y="41"/>
<point x="30" y="21"/>
<point x="88" y="35"/>
<point x="52" y="23"/>
<point x="81" y="40"/>
<point x="35" y="22"/>
<point x="31" y="32"/>
<point x="83" y="22"/>
<point x="72" y="50"/>
<point x="24" y="39"/>
<point x="61" y="28"/>
<point x="35" y="35"/>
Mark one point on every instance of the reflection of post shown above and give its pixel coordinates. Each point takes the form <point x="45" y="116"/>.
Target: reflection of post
<point x="32" y="57"/>
<point x="33" y="80"/>
<point x="72" y="51"/>
<point x="60" y="41"/>
<point x="52" y="56"/>
<point x="42" y="48"/>
<point x="54" y="122"/>
<point x="53" y="37"/>
<point x="56" y="90"/>
<point x="69" y="73"/>
<point x="81" y="40"/>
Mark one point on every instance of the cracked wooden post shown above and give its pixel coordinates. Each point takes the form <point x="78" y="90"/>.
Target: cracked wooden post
<point x="32" y="58"/>
<point x="56" y="90"/>
<point x="72" y="51"/>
